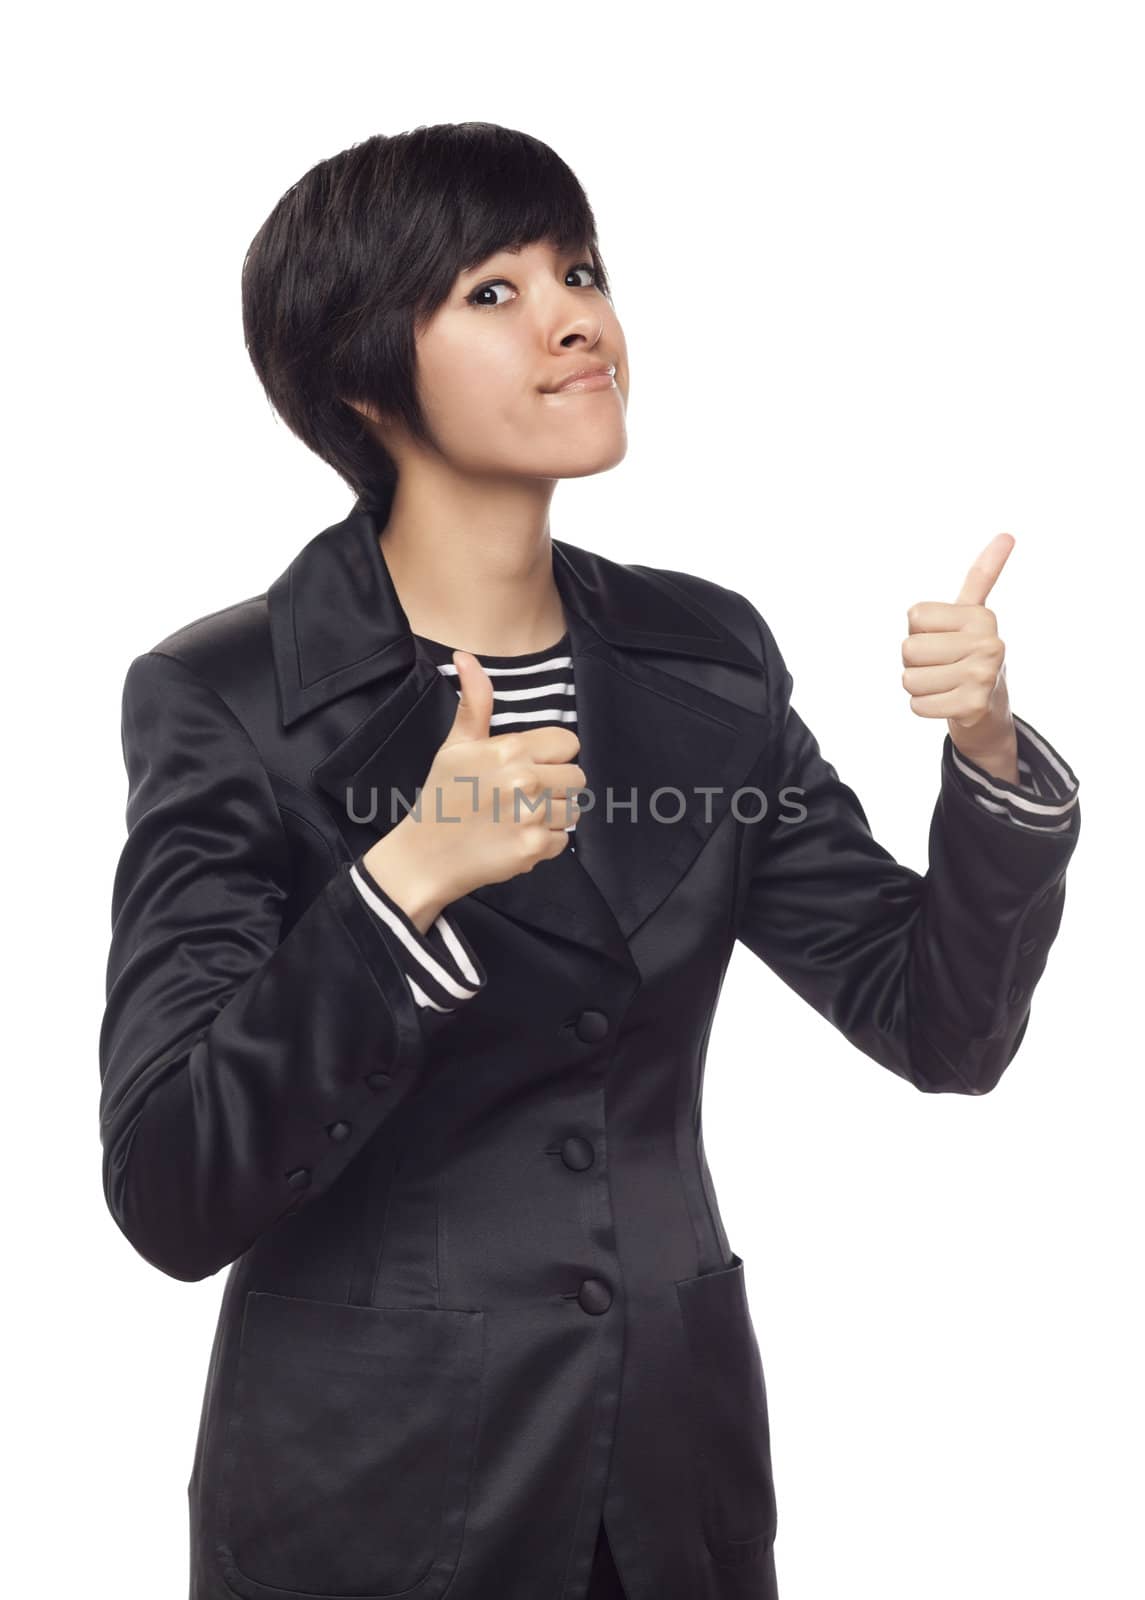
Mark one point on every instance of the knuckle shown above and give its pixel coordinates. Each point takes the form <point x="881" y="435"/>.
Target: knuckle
<point x="509" y="749"/>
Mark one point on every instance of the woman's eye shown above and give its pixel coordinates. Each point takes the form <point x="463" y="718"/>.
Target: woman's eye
<point x="487" y="288"/>
<point x="585" y="266"/>
<point x="473" y="299"/>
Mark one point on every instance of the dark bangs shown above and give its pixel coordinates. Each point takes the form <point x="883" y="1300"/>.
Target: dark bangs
<point x="365" y="247"/>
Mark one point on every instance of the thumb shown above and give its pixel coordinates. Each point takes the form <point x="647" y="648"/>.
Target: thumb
<point x="475" y="703"/>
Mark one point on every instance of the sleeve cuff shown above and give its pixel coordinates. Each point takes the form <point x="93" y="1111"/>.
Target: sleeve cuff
<point x="1046" y="794"/>
<point x="441" y="966"/>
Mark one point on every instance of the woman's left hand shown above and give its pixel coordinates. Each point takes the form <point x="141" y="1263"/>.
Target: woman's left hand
<point x="956" y="667"/>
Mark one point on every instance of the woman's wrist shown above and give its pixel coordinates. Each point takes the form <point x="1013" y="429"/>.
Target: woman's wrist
<point x="398" y="866"/>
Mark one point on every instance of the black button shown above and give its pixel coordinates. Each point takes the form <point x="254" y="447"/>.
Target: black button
<point x="378" y="1080"/>
<point x="591" y="1026"/>
<point x="594" y="1296"/>
<point x="577" y="1153"/>
<point x="299" y="1178"/>
<point x="1014" y="993"/>
<point x="339" y="1130"/>
<point x="1026" y="946"/>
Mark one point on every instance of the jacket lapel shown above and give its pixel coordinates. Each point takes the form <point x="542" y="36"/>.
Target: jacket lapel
<point x="664" y="697"/>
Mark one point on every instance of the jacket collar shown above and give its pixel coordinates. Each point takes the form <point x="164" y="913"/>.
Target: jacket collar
<point x="337" y="623"/>
<point x="667" y="700"/>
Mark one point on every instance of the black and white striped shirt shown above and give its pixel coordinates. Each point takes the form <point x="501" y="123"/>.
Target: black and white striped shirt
<point x="536" y="689"/>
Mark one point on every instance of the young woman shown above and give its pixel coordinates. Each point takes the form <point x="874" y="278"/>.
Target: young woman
<point x="416" y="1049"/>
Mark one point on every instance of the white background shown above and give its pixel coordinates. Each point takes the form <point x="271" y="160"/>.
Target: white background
<point x="880" y="270"/>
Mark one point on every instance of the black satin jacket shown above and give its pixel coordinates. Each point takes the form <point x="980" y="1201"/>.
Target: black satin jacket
<point x="479" y="1290"/>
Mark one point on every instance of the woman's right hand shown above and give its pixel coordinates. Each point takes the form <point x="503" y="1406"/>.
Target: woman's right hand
<point x="472" y="829"/>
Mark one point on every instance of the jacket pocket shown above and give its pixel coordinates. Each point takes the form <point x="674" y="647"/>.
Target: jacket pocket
<point x="348" y="1449"/>
<point x="728" y="1419"/>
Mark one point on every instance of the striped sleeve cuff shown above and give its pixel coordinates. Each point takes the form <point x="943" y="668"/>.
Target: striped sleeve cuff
<point x="1046" y="794"/>
<point x="441" y="966"/>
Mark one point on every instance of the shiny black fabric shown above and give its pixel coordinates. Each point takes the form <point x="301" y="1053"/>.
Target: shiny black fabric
<point x="479" y="1293"/>
<point x="604" y="1580"/>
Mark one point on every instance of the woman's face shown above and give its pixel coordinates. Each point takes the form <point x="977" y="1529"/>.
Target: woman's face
<point x="492" y="357"/>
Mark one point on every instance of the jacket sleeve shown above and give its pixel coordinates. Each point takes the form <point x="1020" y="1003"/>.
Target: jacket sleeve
<point x="440" y="966"/>
<point x="1045" y="795"/>
<point x="242" y="1066"/>
<point x="929" y="975"/>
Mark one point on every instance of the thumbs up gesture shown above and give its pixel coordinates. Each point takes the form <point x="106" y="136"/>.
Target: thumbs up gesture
<point x="956" y="667"/>
<point x="492" y="805"/>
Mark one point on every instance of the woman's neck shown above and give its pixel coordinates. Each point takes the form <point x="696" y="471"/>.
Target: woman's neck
<point x="493" y="595"/>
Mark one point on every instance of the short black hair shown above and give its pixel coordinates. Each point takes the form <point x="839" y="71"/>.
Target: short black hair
<point x="364" y="248"/>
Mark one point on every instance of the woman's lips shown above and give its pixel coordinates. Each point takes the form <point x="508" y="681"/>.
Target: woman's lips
<point x="598" y="380"/>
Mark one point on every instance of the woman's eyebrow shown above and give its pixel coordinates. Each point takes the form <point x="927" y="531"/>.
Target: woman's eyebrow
<point x="580" y="248"/>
